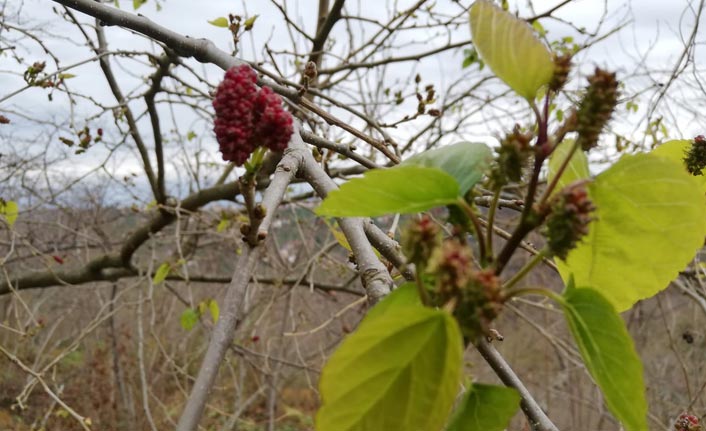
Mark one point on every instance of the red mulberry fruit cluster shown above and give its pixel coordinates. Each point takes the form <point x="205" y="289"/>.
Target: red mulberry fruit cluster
<point x="687" y="422"/>
<point x="248" y="117"/>
<point x="569" y="219"/>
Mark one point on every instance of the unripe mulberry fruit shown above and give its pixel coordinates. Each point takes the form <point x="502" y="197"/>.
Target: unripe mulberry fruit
<point x="452" y="265"/>
<point x="512" y="156"/>
<point x="596" y="107"/>
<point x="480" y="302"/>
<point x="695" y="158"/>
<point x="248" y="117"/>
<point x="562" y="67"/>
<point x="419" y="239"/>
<point x="570" y="214"/>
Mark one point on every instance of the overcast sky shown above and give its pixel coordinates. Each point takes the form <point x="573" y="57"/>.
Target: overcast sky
<point x="652" y="38"/>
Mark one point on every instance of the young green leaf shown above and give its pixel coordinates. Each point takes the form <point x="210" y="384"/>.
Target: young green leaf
<point x="577" y="168"/>
<point x="399" y="371"/>
<point x="223" y="225"/>
<point x="162" y="273"/>
<point x="465" y="161"/>
<point x="402" y="189"/>
<point x="250" y="22"/>
<point x="189" y="318"/>
<point x="137" y="3"/>
<point x="650" y="222"/>
<point x="609" y="354"/>
<point x="9" y="210"/>
<point x="219" y="22"/>
<point x="341" y="237"/>
<point x="214" y="310"/>
<point x="510" y="48"/>
<point x="485" y="408"/>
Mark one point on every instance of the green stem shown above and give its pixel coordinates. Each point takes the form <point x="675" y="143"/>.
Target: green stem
<point x="541" y="291"/>
<point x="559" y="173"/>
<point x="423" y="294"/>
<point x="491" y="224"/>
<point x="526" y="225"/>
<point x="519" y="275"/>
<point x="476" y="228"/>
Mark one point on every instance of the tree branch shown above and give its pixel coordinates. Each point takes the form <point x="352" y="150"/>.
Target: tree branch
<point x="538" y="419"/>
<point x="233" y="305"/>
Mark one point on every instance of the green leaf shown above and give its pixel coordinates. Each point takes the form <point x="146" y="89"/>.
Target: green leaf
<point x="66" y="76"/>
<point x="539" y="28"/>
<point x="222" y="225"/>
<point x="577" y="168"/>
<point x="485" y="408"/>
<point x="250" y="22"/>
<point x="509" y="46"/>
<point x="162" y="273"/>
<point x="219" y="22"/>
<point x="650" y="222"/>
<point x="214" y="310"/>
<point x="465" y="161"/>
<point x="405" y="295"/>
<point x="191" y="135"/>
<point x="9" y="210"/>
<point x="402" y="189"/>
<point x="137" y="3"/>
<point x="399" y="371"/>
<point x="189" y="318"/>
<point x="609" y="354"/>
